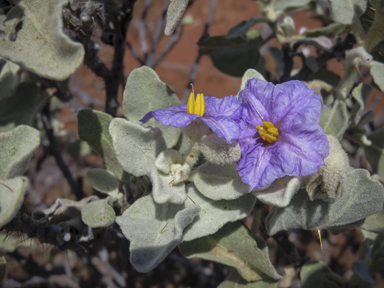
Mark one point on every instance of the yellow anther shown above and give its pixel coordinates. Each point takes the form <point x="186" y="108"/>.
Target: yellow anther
<point x="268" y="124"/>
<point x="196" y="106"/>
<point x="270" y="138"/>
<point x="268" y="132"/>
<point x="191" y="103"/>
<point x="273" y="131"/>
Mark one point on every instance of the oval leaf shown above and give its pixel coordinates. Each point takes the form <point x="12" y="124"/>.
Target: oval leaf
<point x="40" y="45"/>
<point x="98" y="214"/>
<point x="145" y="92"/>
<point x="103" y="180"/>
<point x="12" y="193"/>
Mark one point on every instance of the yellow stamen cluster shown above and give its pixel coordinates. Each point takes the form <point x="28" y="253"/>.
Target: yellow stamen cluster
<point x="196" y="106"/>
<point x="268" y="132"/>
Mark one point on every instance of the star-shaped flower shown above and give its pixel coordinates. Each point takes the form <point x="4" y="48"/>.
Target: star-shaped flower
<point x="280" y="134"/>
<point x="221" y="115"/>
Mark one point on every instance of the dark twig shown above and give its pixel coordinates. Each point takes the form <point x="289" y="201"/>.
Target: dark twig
<point x="46" y="119"/>
<point x="195" y="66"/>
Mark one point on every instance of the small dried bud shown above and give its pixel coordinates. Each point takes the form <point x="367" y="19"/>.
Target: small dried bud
<point x="329" y="181"/>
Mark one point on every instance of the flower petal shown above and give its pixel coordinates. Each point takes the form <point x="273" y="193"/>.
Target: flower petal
<point x="223" y="126"/>
<point x="302" y="150"/>
<point x="228" y="106"/>
<point x="175" y="116"/>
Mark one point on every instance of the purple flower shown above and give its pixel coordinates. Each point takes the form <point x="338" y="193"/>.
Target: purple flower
<point x="280" y="134"/>
<point x="221" y="115"/>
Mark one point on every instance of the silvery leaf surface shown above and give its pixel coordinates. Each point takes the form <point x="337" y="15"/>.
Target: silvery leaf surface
<point x="215" y="214"/>
<point x="12" y="193"/>
<point x="364" y="196"/>
<point x="219" y="182"/>
<point x="145" y="92"/>
<point x="154" y="230"/>
<point x="17" y="148"/>
<point x="40" y="45"/>
<point x="233" y="245"/>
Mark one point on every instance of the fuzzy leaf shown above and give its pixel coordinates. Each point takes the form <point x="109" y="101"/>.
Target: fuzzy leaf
<point x="280" y="192"/>
<point x="249" y="74"/>
<point x="175" y="12"/>
<point x="136" y="146"/>
<point x="9" y="244"/>
<point x="377" y="72"/>
<point x="12" y="193"/>
<point x="360" y="94"/>
<point x="136" y="149"/>
<point x="103" y="180"/>
<point x="233" y="245"/>
<point x="98" y="214"/>
<point x="40" y="45"/>
<point x="17" y="148"/>
<point x="215" y="214"/>
<point x="335" y="121"/>
<point x="145" y="92"/>
<point x="316" y="274"/>
<point x="347" y="11"/>
<point x="375" y="152"/>
<point x="219" y="182"/>
<point x="22" y="107"/>
<point x="364" y="196"/>
<point x="154" y="230"/>
<point x="3" y="268"/>
<point x="374" y="223"/>
<point x="234" y="280"/>
<point x="94" y="129"/>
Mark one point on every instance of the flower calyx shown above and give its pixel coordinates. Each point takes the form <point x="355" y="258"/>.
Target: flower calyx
<point x="268" y="132"/>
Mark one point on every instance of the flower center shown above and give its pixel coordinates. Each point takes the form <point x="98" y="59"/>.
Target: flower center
<point x="196" y="106"/>
<point x="268" y="132"/>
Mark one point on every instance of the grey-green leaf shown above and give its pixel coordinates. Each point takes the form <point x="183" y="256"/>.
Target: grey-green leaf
<point x="316" y="274"/>
<point x="377" y="72"/>
<point x="154" y="230"/>
<point x="364" y="196"/>
<point x="335" y="121"/>
<point x="175" y="12"/>
<point x="347" y="11"/>
<point x="12" y="193"/>
<point x="40" y="45"/>
<point x="360" y="94"/>
<point x="249" y="74"/>
<point x="22" y="107"/>
<point x="103" y="180"/>
<point x="136" y="146"/>
<point x="215" y="214"/>
<point x="280" y="192"/>
<point x="234" y="280"/>
<point x="98" y="214"/>
<point x="17" y="148"/>
<point x="145" y="92"/>
<point x="219" y="182"/>
<point x="375" y="152"/>
<point x="374" y="223"/>
<point x="233" y="56"/>
<point x="330" y="31"/>
<point x="94" y="129"/>
<point x="233" y="245"/>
